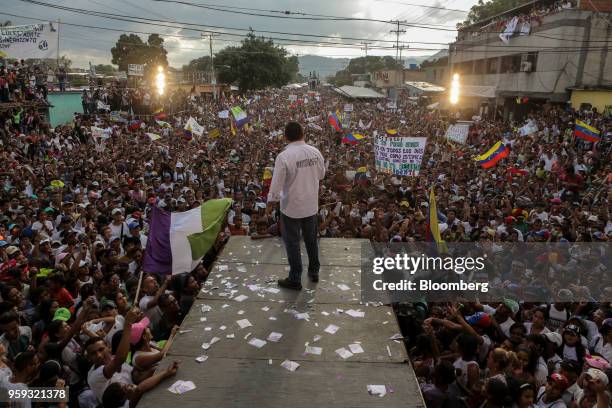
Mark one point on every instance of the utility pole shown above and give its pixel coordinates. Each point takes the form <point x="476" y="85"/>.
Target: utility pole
<point x="213" y="78"/>
<point x="397" y="32"/>
<point x="365" y="44"/>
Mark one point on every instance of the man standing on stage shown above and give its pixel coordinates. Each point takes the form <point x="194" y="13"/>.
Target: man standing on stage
<point x="295" y="183"/>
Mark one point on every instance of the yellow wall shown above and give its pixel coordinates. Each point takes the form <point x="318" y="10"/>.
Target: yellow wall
<point x="598" y="99"/>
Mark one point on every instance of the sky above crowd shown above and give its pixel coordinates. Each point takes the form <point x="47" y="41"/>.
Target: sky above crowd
<point x="84" y="44"/>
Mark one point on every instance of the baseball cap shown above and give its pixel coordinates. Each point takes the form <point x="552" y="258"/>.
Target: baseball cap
<point x="554" y="337"/>
<point x="62" y="314"/>
<point x="10" y="250"/>
<point x="107" y="304"/>
<point x="480" y="319"/>
<point x="512" y="305"/>
<point x="597" y="362"/>
<point x="597" y="375"/>
<point x="560" y="380"/>
<point x="116" y="211"/>
<point x="133" y="225"/>
<point x="138" y="329"/>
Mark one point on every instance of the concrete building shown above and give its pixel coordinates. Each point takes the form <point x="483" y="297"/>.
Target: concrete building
<point x="386" y="79"/>
<point x="537" y="53"/>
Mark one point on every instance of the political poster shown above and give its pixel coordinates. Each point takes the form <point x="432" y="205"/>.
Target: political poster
<point x="348" y="107"/>
<point x="29" y="41"/>
<point x="458" y="132"/>
<point x="193" y="126"/>
<point x="400" y="156"/>
<point x="292" y="98"/>
<point x="136" y="69"/>
<point x="224" y="114"/>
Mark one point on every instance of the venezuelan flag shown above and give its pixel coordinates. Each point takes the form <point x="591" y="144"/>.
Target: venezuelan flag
<point x="163" y="124"/>
<point x="493" y="155"/>
<point x="361" y="176"/>
<point x="352" y="138"/>
<point x="134" y="125"/>
<point x="391" y="132"/>
<point x="586" y="132"/>
<point x="334" y="121"/>
<point x="187" y="132"/>
<point x="159" y="114"/>
<point x="432" y="233"/>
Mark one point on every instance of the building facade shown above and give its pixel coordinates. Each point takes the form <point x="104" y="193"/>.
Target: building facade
<point x="537" y="53"/>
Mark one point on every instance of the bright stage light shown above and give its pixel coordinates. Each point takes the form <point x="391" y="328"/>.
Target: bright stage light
<point x="454" y="89"/>
<point x="160" y="80"/>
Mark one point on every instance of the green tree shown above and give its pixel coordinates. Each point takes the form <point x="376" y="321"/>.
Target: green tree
<point x="50" y="62"/>
<point x="105" y="69"/>
<point x="364" y="65"/>
<point x="485" y="9"/>
<point x="198" y="64"/>
<point x="256" y="64"/>
<point x="130" y="49"/>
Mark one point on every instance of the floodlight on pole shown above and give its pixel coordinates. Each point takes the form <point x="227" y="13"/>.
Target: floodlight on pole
<point x="160" y="80"/>
<point x="454" y="89"/>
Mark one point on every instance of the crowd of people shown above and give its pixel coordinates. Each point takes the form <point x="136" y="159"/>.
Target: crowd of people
<point x="76" y="203"/>
<point x="523" y="22"/>
<point x="21" y="82"/>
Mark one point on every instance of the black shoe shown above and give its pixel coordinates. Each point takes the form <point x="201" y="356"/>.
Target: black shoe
<point x="286" y="283"/>
<point x="313" y="278"/>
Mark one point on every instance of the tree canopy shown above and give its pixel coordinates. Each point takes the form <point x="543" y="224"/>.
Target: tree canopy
<point x="485" y="9"/>
<point x="130" y="49"/>
<point x="257" y="63"/>
<point x="364" y="65"/>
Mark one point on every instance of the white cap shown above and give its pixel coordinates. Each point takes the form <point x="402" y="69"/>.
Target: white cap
<point x="116" y="211"/>
<point x="598" y="375"/>
<point x="554" y="337"/>
<point x="179" y="165"/>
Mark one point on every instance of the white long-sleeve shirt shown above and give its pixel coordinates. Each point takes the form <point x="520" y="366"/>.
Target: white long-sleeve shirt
<point x="295" y="181"/>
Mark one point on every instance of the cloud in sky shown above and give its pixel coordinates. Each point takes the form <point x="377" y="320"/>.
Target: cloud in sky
<point x="82" y="45"/>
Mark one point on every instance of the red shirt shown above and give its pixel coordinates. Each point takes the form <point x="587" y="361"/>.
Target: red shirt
<point x="63" y="297"/>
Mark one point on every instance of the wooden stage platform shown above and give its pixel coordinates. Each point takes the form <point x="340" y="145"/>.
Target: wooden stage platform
<point x="237" y="374"/>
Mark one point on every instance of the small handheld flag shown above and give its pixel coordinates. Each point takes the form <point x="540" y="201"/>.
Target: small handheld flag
<point x="352" y="138"/>
<point x="493" y="155"/>
<point x="586" y="132"/>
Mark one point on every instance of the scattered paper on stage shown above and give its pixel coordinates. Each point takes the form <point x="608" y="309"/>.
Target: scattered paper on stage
<point x="181" y="387"/>
<point x="344" y="353"/>
<point x="355" y="348"/>
<point x="313" y="350"/>
<point x="255" y="342"/>
<point x="342" y="286"/>
<point x="202" y="358"/>
<point x="275" y="337"/>
<point x="244" y="323"/>
<point x="290" y="365"/>
<point x="240" y="298"/>
<point x="331" y="329"/>
<point x="355" y="313"/>
<point x="379" y="390"/>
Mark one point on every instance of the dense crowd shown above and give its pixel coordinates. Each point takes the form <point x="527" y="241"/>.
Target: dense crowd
<point x="76" y="203"/>
<point x="21" y="82"/>
<point x="522" y="23"/>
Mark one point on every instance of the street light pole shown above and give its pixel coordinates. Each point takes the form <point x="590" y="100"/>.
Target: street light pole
<point x="213" y="78"/>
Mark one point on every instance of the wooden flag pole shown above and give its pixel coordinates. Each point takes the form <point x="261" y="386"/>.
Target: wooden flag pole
<point x="138" y="289"/>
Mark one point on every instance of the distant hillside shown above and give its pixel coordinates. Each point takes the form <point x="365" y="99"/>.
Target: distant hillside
<point x="326" y="66"/>
<point x="322" y="65"/>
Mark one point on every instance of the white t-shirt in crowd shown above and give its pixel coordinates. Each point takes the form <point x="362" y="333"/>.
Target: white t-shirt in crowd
<point x="6" y="384"/>
<point x="295" y="181"/>
<point x="98" y="382"/>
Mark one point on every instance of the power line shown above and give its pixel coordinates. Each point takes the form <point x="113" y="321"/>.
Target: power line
<point x="303" y="42"/>
<point x="424" y="6"/>
<point x="284" y="14"/>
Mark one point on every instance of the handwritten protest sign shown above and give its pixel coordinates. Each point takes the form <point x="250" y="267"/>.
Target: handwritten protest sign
<point x="348" y="107"/>
<point x="401" y="156"/>
<point x="458" y="132"/>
